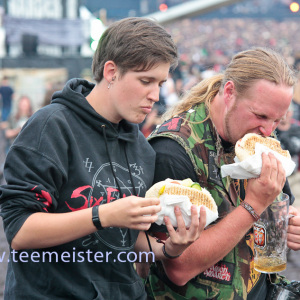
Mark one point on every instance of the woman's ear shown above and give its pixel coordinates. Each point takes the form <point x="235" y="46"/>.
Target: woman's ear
<point x="109" y="71"/>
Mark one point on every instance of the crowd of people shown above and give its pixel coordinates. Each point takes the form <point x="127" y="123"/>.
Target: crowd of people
<point x="77" y="173"/>
<point x="205" y="47"/>
<point x="210" y="43"/>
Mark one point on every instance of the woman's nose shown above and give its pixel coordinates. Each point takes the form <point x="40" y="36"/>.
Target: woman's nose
<point x="154" y="94"/>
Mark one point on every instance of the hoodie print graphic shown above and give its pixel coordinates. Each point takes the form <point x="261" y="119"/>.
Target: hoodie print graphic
<point x="104" y="189"/>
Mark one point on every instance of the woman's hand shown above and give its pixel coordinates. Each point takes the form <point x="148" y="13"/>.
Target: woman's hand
<point x="183" y="237"/>
<point x="293" y="236"/>
<point x="131" y="212"/>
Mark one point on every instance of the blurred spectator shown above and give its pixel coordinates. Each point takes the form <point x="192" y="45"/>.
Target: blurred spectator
<point x="48" y="96"/>
<point x="6" y="95"/>
<point x="13" y="126"/>
<point x="177" y="77"/>
<point x="169" y="92"/>
<point x="192" y="77"/>
<point x="289" y="136"/>
<point x="53" y="87"/>
<point x="2" y="156"/>
<point x="152" y="119"/>
<point x="296" y="103"/>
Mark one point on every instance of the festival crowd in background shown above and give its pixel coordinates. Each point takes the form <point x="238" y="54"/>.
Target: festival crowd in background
<point x="205" y="47"/>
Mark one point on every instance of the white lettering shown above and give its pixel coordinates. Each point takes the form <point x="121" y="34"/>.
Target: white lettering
<point x="80" y="256"/>
<point x="2" y="257"/>
<point x="36" y="9"/>
<point x="218" y="272"/>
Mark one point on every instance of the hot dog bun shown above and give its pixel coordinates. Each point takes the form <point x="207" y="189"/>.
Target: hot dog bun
<point x="245" y="147"/>
<point x="197" y="195"/>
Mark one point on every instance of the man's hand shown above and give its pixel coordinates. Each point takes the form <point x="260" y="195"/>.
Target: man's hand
<point x="293" y="237"/>
<point x="180" y="239"/>
<point x="262" y="191"/>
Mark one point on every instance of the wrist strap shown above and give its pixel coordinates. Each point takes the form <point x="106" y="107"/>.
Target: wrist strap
<point x="168" y="255"/>
<point x="251" y="210"/>
<point x="95" y="217"/>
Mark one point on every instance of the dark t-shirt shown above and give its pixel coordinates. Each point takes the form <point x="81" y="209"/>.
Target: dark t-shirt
<point x="172" y="161"/>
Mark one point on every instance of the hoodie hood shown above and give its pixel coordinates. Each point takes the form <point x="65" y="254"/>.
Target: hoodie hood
<point x="73" y="96"/>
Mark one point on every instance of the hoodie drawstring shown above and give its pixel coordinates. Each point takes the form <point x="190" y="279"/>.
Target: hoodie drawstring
<point x="128" y="166"/>
<point x="134" y="191"/>
<point x="115" y="177"/>
<point x="110" y="162"/>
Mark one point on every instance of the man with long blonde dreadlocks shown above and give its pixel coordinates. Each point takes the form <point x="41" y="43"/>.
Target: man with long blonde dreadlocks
<point x="195" y="140"/>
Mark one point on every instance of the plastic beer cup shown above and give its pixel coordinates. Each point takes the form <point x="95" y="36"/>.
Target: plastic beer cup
<point x="270" y="237"/>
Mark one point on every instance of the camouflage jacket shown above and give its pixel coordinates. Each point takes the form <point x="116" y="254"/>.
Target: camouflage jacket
<point x="234" y="276"/>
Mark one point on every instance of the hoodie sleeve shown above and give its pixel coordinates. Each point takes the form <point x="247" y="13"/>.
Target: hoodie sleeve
<point x="32" y="181"/>
<point x="33" y="178"/>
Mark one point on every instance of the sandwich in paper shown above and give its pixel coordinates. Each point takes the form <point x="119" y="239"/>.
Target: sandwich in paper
<point x="245" y="147"/>
<point x="182" y="193"/>
<point x="248" y="160"/>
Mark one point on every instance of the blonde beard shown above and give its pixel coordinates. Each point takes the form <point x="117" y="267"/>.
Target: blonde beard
<point x="230" y="114"/>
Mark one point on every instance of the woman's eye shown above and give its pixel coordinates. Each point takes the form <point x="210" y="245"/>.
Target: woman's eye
<point x="145" y="81"/>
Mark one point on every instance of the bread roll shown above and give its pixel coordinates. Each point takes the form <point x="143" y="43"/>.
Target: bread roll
<point x="197" y="195"/>
<point x="245" y="147"/>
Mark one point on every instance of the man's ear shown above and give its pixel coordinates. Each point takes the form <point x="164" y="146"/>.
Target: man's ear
<point x="229" y="93"/>
<point x="109" y="71"/>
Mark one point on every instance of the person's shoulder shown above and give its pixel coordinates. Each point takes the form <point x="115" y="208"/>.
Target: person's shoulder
<point x="46" y="125"/>
<point x="48" y="117"/>
<point x="51" y="111"/>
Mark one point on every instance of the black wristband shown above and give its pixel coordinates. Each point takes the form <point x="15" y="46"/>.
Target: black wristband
<point x="95" y="217"/>
<point x="168" y="255"/>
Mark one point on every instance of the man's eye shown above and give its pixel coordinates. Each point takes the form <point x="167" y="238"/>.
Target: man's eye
<point x="260" y="117"/>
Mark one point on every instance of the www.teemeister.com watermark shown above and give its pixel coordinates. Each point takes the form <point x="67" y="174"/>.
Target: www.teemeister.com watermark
<point x="75" y="257"/>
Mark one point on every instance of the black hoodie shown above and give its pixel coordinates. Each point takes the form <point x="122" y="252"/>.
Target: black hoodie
<point x="66" y="158"/>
